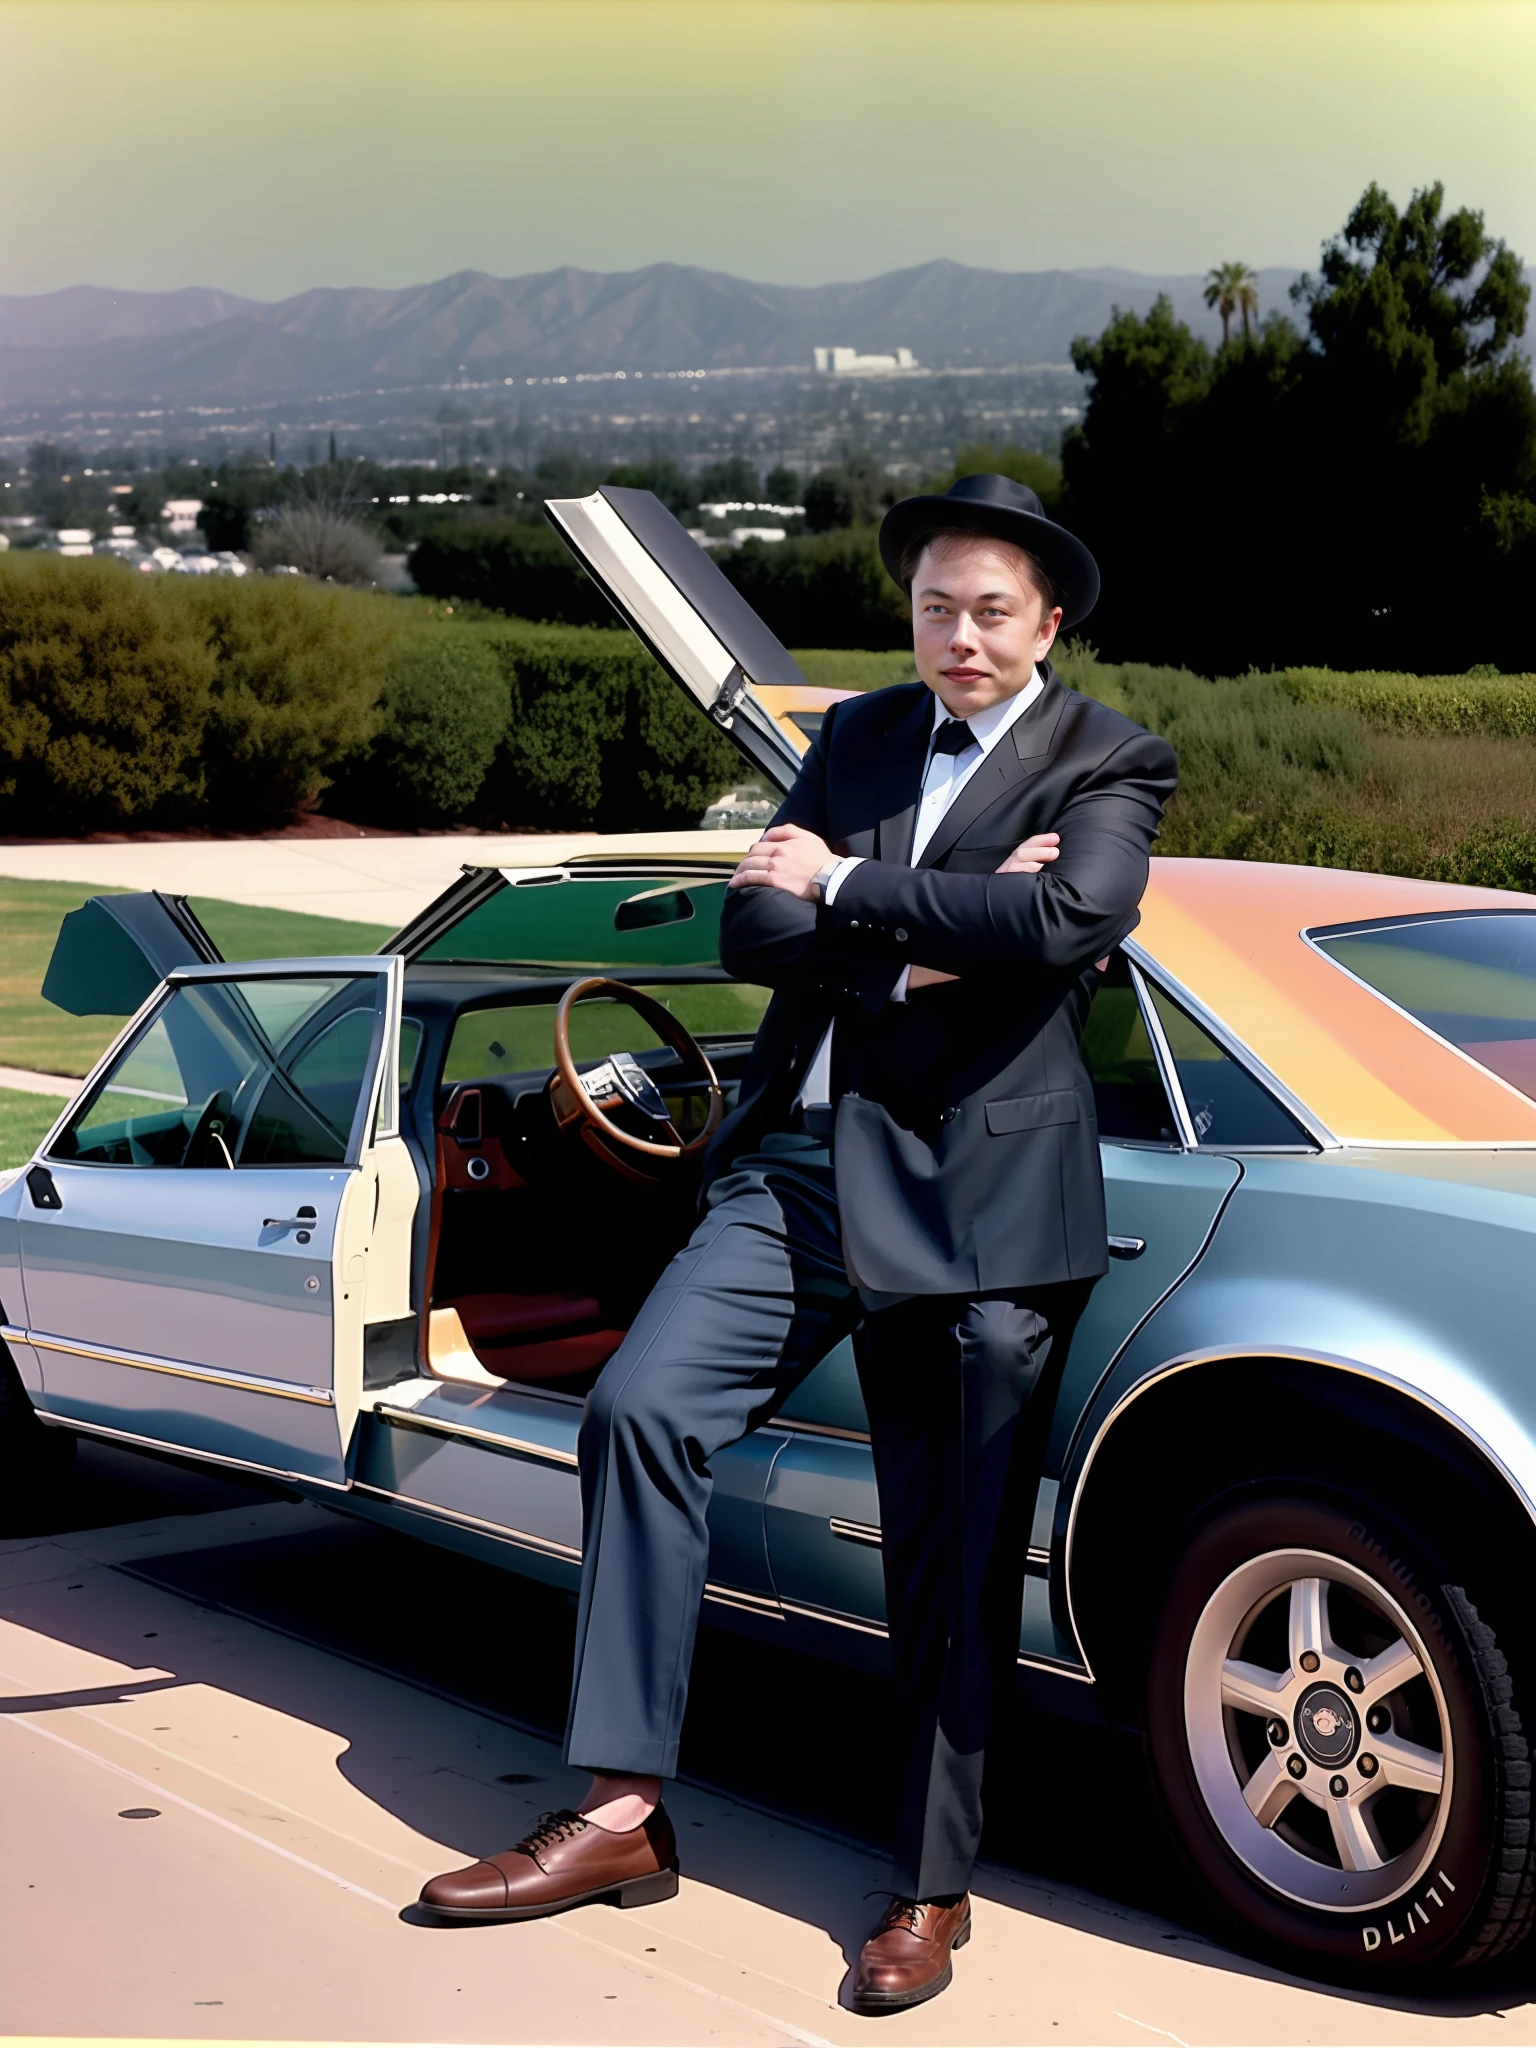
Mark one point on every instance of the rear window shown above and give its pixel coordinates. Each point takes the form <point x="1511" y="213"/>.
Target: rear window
<point x="1470" y="979"/>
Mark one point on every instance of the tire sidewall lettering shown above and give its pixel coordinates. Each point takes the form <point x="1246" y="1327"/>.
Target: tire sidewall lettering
<point x="1409" y="1916"/>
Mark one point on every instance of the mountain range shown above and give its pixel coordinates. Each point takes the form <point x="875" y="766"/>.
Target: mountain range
<point x="201" y="345"/>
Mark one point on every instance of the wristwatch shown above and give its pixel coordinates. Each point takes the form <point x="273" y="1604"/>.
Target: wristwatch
<point x="822" y="877"/>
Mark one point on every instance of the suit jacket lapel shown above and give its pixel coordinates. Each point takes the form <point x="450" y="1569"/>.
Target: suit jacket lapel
<point x="903" y="759"/>
<point x="1020" y="754"/>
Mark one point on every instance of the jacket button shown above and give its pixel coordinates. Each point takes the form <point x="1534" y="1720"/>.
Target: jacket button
<point x="853" y="924"/>
<point x="899" y="936"/>
<point x="948" y="1116"/>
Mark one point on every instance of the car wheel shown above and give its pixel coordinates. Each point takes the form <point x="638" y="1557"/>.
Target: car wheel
<point x="35" y="1462"/>
<point x="1337" y="1742"/>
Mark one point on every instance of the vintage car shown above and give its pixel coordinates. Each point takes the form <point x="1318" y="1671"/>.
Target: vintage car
<point x="372" y="1225"/>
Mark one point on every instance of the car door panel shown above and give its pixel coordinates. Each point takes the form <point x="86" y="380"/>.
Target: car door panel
<point x="194" y="1274"/>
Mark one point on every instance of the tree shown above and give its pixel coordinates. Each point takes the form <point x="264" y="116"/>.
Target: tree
<point x="661" y="475"/>
<point x="1294" y="499"/>
<point x="782" y="485"/>
<point x="851" y="493"/>
<point x="1024" y="465"/>
<point x="1232" y="288"/>
<point x="732" y="480"/>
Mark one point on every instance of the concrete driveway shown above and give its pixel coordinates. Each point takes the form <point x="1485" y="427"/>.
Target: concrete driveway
<point x="372" y="879"/>
<point x="215" y="1825"/>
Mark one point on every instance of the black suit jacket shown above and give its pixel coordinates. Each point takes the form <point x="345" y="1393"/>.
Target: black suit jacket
<point x="966" y="1145"/>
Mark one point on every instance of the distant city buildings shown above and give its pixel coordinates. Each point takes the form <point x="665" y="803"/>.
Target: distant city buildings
<point x="847" y="362"/>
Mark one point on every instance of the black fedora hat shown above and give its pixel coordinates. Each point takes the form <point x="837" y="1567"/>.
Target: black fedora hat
<point x="1008" y="511"/>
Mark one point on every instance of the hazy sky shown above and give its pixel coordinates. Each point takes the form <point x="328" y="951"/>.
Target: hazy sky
<point x="269" y="145"/>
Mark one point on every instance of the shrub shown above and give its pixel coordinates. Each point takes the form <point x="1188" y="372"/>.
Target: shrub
<point x="599" y="737"/>
<point x="444" y="714"/>
<point x="299" y="670"/>
<point x="822" y="590"/>
<point x="130" y="701"/>
<point x="511" y="565"/>
<point x="104" y="696"/>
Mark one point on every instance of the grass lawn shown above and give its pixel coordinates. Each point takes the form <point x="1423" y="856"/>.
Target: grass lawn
<point x="34" y="1034"/>
<point x="23" y="1120"/>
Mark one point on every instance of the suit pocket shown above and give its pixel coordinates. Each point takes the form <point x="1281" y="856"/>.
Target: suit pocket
<point x="1033" y="1112"/>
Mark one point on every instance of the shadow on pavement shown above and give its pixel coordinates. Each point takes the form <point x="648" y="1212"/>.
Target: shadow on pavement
<point x="795" y="1738"/>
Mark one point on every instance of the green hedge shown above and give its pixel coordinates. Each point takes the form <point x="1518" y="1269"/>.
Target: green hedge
<point x="517" y="566"/>
<point x="505" y="724"/>
<point x="128" y="700"/>
<point x="1395" y="774"/>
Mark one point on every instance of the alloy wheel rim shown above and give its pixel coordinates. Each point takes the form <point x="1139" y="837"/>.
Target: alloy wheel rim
<point x="1318" y="1731"/>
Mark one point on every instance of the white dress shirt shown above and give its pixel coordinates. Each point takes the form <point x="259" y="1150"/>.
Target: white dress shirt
<point x="946" y="776"/>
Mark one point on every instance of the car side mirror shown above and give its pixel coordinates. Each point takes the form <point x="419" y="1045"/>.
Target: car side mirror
<point x="653" y="907"/>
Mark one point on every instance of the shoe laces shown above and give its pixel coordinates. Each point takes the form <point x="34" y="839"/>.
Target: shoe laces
<point x="549" y="1829"/>
<point x="902" y="1912"/>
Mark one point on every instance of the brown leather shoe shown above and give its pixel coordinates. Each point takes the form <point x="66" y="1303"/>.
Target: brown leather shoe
<point x="564" y="1861"/>
<point x="907" y="1958"/>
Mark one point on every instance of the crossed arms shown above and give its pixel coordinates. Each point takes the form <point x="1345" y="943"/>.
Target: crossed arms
<point x="1059" y="901"/>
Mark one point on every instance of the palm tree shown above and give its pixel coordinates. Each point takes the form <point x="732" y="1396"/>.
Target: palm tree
<point x="1232" y="288"/>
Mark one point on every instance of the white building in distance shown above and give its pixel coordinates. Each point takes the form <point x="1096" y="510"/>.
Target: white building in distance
<point x="847" y="362"/>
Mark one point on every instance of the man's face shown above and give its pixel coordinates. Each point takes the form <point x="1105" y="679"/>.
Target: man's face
<point x="978" y="623"/>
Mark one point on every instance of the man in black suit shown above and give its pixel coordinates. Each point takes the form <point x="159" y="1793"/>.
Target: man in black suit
<point x="914" y="1153"/>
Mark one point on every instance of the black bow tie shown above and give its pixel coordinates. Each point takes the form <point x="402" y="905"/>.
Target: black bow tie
<point x="952" y="737"/>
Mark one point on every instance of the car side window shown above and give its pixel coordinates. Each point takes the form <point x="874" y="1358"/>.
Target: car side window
<point x="1226" y="1104"/>
<point x="229" y="1074"/>
<point x="1128" y="1091"/>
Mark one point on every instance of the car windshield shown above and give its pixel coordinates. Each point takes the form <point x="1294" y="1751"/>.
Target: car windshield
<point x="1470" y="979"/>
<point x="565" y="920"/>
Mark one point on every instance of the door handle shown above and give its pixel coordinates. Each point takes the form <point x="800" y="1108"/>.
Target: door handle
<point x="42" y="1190"/>
<point x="1127" y="1247"/>
<point x="301" y="1223"/>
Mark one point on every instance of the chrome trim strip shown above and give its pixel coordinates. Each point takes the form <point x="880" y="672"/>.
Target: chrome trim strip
<point x="434" y="1425"/>
<point x="210" y="1375"/>
<point x="1214" y="1355"/>
<point x="155" y="1443"/>
<point x="749" y="1603"/>
<point x="804" y="1613"/>
<point x="1231" y="1045"/>
<point x="846" y="1436"/>
<point x="855" y="1532"/>
<point x="1173" y="1088"/>
<point x="1055" y="1669"/>
<point x="1445" y="1044"/>
<point x="542" y="1546"/>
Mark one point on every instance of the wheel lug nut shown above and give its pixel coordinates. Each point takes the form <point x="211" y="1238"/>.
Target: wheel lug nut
<point x="1367" y="1765"/>
<point x="1278" y="1733"/>
<point x="1354" y="1679"/>
<point x="1339" y="1787"/>
<point x="1378" y="1720"/>
<point x="1310" y="1660"/>
<point x="1296" y="1767"/>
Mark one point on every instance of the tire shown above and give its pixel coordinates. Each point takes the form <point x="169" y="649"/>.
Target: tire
<point x="1367" y="1815"/>
<point x="36" y="1462"/>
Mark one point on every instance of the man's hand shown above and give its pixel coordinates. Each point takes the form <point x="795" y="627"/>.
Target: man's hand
<point x="784" y="858"/>
<point x="1032" y="854"/>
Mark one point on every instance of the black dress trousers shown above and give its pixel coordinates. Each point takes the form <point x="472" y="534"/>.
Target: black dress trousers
<point x="754" y="1300"/>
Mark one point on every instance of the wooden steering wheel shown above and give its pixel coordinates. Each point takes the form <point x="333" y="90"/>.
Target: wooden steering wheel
<point x="582" y="1102"/>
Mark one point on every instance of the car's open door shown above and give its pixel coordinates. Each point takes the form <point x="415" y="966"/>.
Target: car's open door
<point x="699" y="627"/>
<point x="219" y="1223"/>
